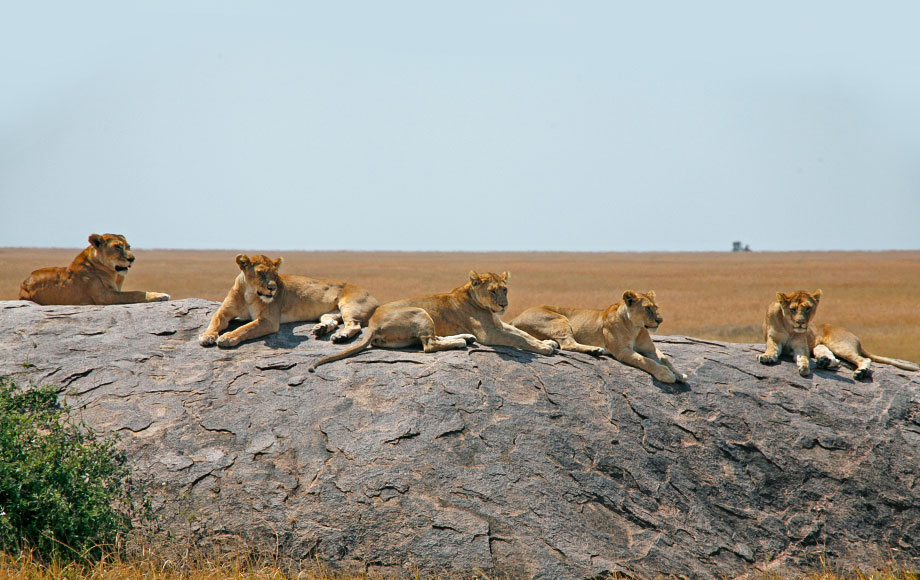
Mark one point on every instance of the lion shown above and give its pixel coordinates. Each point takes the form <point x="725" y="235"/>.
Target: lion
<point x="787" y="329"/>
<point x="622" y="330"/>
<point x="467" y="314"/>
<point x="94" y="277"/>
<point x="266" y="298"/>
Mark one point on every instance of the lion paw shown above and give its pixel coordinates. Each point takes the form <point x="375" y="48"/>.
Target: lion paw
<point x="596" y="351"/>
<point x="340" y="336"/>
<point x="768" y="359"/>
<point x="207" y="339"/>
<point x="681" y="377"/>
<point x="665" y="376"/>
<point x="552" y="344"/>
<point x="860" y="374"/>
<point x="322" y="328"/>
<point x="469" y="338"/>
<point x="824" y="362"/>
<point x="805" y="371"/>
<point x="227" y="341"/>
<point x="157" y="297"/>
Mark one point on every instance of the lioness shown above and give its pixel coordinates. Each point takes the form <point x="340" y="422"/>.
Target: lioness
<point x="787" y="328"/>
<point x="94" y="277"/>
<point x="267" y="298"/>
<point x="621" y="330"/>
<point x="466" y="314"/>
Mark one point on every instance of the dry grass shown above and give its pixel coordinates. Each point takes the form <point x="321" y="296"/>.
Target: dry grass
<point x="25" y="567"/>
<point x="719" y="296"/>
<point x="884" y="574"/>
<point x="151" y="567"/>
<point x="154" y="566"/>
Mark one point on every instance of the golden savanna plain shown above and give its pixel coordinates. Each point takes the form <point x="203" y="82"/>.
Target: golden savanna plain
<point x="721" y="296"/>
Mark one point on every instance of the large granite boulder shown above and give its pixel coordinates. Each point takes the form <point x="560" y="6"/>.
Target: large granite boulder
<point x="489" y="459"/>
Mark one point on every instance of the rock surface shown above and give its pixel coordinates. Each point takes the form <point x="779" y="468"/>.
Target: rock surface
<point x="489" y="459"/>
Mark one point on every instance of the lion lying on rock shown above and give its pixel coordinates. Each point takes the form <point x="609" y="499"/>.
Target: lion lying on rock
<point x="94" y="277"/>
<point x="621" y="330"/>
<point x="466" y="314"/>
<point x="787" y="328"/>
<point x="268" y="299"/>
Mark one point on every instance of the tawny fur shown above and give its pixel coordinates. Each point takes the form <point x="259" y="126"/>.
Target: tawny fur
<point x="446" y="321"/>
<point x="787" y="328"/>
<point x="265" y="297"/>
<point x="95" y="276"/>
<point x="622" y="330"/>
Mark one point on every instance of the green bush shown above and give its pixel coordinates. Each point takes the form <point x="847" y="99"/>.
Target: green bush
<point x="63" y="491"/>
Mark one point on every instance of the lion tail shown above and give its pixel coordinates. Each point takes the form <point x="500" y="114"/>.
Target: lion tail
<point x="890" y="361"/>
<point x="354" y="349"/>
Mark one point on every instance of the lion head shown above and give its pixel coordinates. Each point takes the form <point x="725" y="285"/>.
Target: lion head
<point x="642" y="309"/>
<point x="799" y="308"/>
<point x="113" y="251"/>
<point x="490" y="291"/>
<point x="261" y="275"/>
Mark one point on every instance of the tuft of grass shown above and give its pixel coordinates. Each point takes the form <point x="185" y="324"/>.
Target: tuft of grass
<point x="889" y="573"/>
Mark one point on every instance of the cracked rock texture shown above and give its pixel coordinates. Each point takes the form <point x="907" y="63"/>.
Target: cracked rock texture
<point x="489" y="459"/>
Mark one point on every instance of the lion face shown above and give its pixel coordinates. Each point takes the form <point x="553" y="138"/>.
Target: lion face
<point x="113" y="251"/>
<point x="642" y="309"/>
<point x="799" y="308"/>
<point x="261" y="275"/>
<point x="490" y="291"/>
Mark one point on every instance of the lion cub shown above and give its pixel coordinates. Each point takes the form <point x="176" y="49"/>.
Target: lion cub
<point x="268" y="299"/>
<point x="466" y="314"/>
<point x="94" y="277"/>
<point x="623" y="329"/>
<point x="787" y="328"/>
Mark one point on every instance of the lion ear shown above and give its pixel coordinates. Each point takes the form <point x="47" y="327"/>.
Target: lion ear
<point x="782" y="298"/>
<point x="650" y="294"/>
<point x="474" y="278"/>
<point x="96" y="240"/>
<point x="243" y="261"/>
<point x="278" y="263"/>
<point x="506" y="276"/>
<point x="630" y="297"/>
<point x="816" y="295"/>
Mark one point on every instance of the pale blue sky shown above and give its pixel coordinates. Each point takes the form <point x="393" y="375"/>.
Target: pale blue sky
<point x="597" y="126"/>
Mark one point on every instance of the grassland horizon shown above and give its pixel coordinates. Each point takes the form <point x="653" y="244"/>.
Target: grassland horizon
<point x="709" y="295"/>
